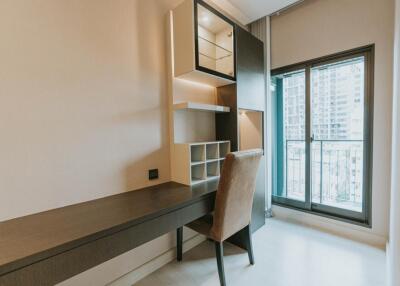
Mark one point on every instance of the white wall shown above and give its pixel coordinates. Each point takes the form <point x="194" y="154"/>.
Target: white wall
<point x="394" y="235"/>
<point x="322" y="27"/>
<point x="83" y="108"/>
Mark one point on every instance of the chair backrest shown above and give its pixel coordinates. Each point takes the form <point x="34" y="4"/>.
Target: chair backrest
<point x="235" y="193"/>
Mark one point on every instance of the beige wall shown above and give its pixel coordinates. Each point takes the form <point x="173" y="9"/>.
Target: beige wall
<point x="83" y="108"/>
<point x="322" y="27"/>
<point x="83" y="104"/>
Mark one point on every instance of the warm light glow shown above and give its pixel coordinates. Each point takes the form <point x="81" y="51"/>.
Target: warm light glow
<point x="205" y="19"/>
<point x="194" y="83"/>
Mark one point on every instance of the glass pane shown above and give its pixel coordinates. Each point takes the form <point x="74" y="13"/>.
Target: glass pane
<point x="295" y="170"/>
<point x="337" y="104"/>
<point x="215" y="42"/>
<point x="289" y="91"/>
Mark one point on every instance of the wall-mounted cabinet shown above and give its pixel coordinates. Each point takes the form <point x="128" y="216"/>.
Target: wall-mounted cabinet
<point x="204" y="44"/>
<point x="206" y="47"/>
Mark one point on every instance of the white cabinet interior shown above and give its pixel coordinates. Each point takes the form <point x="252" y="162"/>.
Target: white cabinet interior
<point x="250" y="129"/>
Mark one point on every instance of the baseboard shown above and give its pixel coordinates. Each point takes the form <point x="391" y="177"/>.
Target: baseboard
<point x="142" y="271"/>
<point x="350" y="231"/>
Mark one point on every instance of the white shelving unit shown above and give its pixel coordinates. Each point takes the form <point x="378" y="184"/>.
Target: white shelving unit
<point x="197" y="173"/>
<point x="198" y="162"/>
<point x="197" y="154"/>
<point x="212" y="151"/>
<point x="213" y="170"/>
<point x="192" y="94"/>
<point x="224" y="149"/>
<point x="201" y="107"/>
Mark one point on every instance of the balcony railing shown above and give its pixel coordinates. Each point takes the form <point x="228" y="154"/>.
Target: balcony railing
<point x="336" y="175"/>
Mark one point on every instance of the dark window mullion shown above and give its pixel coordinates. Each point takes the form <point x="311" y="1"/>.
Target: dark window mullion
<point x="368" y="123"/>
<point x="308" y="138"/>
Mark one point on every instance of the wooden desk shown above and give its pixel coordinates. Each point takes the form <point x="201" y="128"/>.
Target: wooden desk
<point x="52" y="246"/>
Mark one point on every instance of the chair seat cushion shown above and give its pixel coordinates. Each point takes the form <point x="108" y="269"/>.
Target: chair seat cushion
<point x="202" y="225"/>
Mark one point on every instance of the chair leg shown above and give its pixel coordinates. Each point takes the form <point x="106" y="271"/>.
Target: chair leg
<point x="219" y="251"/>
<point x="249" y="244"/>
<point x="179" y="240"/>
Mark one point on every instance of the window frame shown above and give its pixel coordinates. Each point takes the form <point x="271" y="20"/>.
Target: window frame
<point x="365" y="217"/>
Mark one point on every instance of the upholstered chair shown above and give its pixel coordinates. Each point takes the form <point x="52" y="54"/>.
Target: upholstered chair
<point x="233" y="206"/>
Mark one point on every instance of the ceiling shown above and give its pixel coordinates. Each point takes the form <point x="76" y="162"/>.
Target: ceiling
<point x="255" y="9"/>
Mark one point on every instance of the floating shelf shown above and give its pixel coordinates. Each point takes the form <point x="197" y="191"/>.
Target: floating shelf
<point x="201" y="107"/>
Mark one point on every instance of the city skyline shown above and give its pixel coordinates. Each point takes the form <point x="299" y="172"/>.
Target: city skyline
<point x="337" y="129"/>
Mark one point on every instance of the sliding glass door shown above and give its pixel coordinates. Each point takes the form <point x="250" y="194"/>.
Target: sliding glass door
<point x="291" y="136"/>
<point x="323" y="135"/>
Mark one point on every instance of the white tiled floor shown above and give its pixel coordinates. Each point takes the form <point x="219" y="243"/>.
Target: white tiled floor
<point x="286" y="254"/>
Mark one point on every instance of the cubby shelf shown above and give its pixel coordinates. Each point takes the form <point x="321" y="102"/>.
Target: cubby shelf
<point x="201" y="107"/>
<point x="199" y="162"/>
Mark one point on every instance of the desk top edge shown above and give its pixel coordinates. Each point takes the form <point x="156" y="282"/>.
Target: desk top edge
<point x="9" y="265"/>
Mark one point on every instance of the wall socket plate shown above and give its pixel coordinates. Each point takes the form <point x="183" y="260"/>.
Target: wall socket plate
<point x="153" y="174"/>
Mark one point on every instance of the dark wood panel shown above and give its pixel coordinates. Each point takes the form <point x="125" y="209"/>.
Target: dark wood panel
<point x="247" y="93"/>
<point x="30" y="239"/>
<point x="250" y="76"/>
<point x="258" y="212"/>
<point x="251" y="95"/>
<point x="226" y="124"/>
<point x="60" y="267"/>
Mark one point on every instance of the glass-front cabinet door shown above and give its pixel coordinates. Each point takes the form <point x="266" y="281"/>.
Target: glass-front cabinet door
<point x="215" y="44"/>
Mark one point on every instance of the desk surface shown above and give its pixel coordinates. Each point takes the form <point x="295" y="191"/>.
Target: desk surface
<point x="29" y="239"/>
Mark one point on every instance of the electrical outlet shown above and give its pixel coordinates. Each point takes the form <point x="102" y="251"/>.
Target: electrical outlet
<point x="153" y="174"/>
